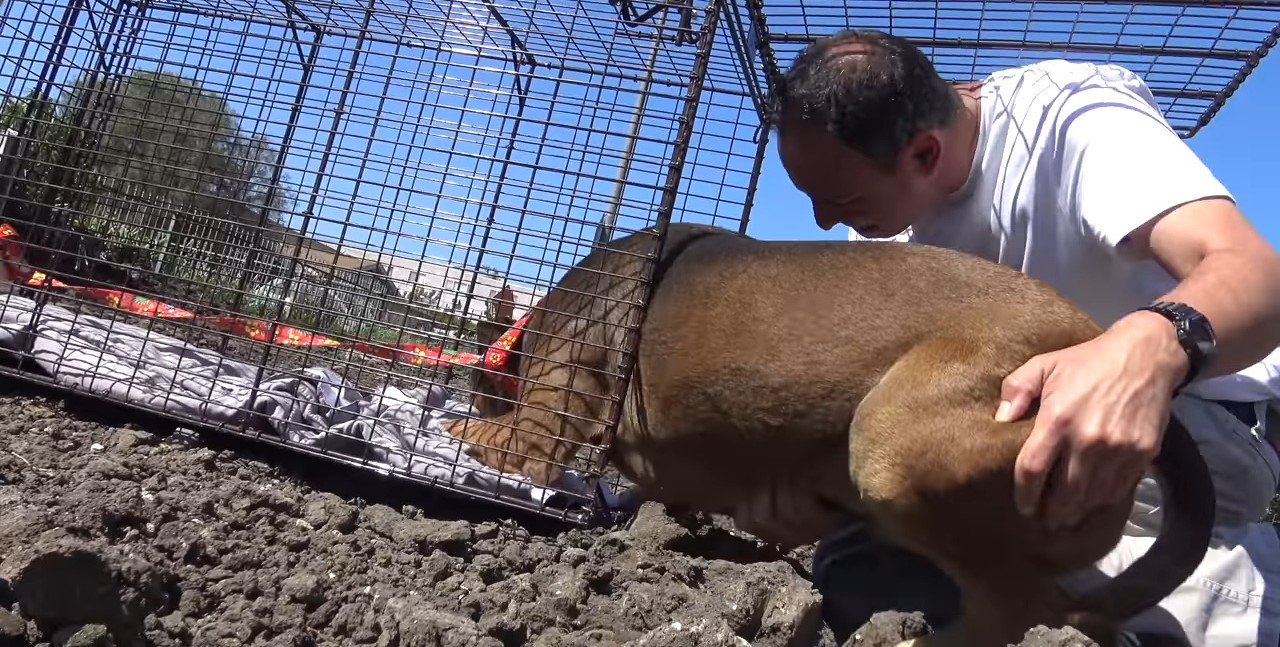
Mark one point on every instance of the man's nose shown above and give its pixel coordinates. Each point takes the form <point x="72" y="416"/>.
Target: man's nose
<point x="825" y="218"/>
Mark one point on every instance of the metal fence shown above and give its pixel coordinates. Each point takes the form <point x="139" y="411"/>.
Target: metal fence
<point x="289" y="219"/>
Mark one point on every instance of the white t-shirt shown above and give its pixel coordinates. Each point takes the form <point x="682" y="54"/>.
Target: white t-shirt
<point x="1072" y="157"/>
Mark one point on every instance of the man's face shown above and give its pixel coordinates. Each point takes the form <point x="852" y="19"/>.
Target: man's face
<point x="847" y="188"/>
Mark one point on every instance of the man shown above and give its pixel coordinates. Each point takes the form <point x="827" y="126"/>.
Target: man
<point x="1068" y="172"/>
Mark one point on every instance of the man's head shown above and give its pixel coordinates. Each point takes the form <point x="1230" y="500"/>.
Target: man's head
<point x="863" y="131"/>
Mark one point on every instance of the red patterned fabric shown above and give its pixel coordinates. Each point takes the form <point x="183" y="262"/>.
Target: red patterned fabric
<point x="15" y="270"/>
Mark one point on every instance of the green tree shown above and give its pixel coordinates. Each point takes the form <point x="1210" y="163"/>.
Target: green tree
<point x="148" y="136"/>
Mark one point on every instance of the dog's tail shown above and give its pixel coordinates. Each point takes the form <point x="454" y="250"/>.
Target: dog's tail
<point x="1188" y="508"/>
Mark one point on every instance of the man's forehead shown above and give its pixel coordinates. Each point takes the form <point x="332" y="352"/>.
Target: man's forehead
<point x="810" y="138"/>
<point x="804" y="130"/>
<point x="819" y="173"/>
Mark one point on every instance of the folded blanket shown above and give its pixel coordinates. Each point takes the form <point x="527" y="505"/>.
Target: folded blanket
<point x="392" y="430"/>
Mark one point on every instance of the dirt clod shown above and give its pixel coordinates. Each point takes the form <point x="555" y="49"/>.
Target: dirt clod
<point x="86" y="636"/>
<point x="13" y="631"/>
<point x="61" y="581"/>
<point x="1062" y="637"/>
<point x="888" y="629"/>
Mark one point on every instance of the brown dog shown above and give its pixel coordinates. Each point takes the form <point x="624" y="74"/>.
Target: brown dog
<point x="860" y="376"/>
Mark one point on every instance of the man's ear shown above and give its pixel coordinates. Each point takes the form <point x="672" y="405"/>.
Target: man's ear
<point x="923" y="154"/>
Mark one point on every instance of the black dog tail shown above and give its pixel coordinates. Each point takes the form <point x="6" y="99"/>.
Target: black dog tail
<point x="1184" y="537"/>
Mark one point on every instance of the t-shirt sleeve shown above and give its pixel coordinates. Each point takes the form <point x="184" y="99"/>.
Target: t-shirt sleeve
<point x="904" y="237"/>
<point x="1123" y="165"/>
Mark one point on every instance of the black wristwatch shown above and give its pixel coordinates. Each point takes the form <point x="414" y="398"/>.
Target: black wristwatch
<point x="1195" y="335"/>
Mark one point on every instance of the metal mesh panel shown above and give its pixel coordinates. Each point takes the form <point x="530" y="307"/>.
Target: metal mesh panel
<point x="1193" y="54"/>
<point x="325" y="192"/>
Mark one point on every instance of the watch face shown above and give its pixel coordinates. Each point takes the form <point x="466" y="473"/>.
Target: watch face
<point x="1194" y="331"/>
<point x="1198" y="328"/>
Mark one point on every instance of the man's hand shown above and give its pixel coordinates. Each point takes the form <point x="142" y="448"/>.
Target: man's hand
<point x="1104" y="405"/>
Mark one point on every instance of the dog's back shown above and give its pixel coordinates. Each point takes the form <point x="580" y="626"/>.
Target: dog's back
<point x="765" y="348"/>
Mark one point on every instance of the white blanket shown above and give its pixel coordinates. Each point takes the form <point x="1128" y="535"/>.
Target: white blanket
<point x="394" y="429"/>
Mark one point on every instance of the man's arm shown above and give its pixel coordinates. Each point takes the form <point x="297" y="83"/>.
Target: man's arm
<point x="1138" y="187"/>
<point x="1225" y="269"/>
<point x="1133" y="185"/>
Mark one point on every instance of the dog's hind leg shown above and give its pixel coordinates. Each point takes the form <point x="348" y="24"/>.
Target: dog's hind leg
<point x="935" y="473"/>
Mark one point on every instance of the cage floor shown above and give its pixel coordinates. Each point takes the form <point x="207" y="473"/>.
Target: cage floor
<point x="393" y="430"/>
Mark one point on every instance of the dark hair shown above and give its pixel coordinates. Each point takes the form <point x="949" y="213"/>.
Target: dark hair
<point x="874" y="98"/>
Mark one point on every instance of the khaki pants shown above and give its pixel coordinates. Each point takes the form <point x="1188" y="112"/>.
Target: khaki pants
<point x="1232" y="599"/>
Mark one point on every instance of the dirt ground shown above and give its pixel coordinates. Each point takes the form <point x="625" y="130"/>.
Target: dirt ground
<point x="117" y="529"/>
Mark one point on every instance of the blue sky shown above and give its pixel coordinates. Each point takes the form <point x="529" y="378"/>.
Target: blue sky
<point x="1240" y="145"/>
<point x="414" y="158"/>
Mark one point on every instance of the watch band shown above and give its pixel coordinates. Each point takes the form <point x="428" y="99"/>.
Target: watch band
<point x="1194" y="332"/>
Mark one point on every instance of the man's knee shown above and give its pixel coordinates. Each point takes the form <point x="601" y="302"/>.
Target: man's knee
<point x="859" y="576"/>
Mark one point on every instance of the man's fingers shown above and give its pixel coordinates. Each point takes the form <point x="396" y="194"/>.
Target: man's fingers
<point x="1120" y="485"/>
<point x="1072" y="487"/>
<point x="1031" y="470"/>
<point x="1125" y="488"/>
<point x="1090" y="476"/>
<point x="1020" y="388"/>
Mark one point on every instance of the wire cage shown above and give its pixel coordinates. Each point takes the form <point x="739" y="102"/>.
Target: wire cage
<point x="321" y="223"/>
<point x="298" y="220"/>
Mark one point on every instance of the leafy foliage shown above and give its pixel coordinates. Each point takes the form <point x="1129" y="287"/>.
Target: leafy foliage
<point x="147" y="136"/>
